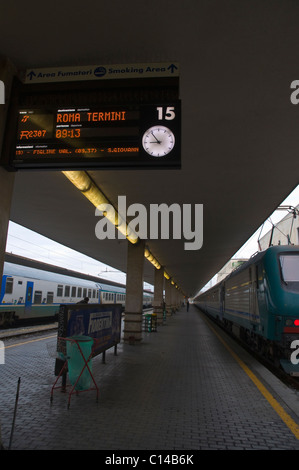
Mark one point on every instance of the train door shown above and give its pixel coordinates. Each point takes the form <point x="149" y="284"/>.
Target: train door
<point x="3" y="285"/>
<point x="29" y="292"/>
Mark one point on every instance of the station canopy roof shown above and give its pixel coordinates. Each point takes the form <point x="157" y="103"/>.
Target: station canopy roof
<point x="240" y="139"/>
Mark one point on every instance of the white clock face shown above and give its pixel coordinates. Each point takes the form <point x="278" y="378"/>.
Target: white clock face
<point x="158" y="141"/>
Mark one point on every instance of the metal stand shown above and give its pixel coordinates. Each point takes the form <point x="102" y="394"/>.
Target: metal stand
<point x="63" y="373"/>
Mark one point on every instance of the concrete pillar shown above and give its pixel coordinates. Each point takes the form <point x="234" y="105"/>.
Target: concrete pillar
<point x="7" y="72"/>
<point x="168" y="297"/>
<point x="158" y="295"/>
<point x="173" y="299"/>
<point x="176" y="303"/>
<point x="134" y="293"/>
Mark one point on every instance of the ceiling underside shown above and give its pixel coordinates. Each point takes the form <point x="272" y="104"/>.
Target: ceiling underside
<point x="240" y="134"/>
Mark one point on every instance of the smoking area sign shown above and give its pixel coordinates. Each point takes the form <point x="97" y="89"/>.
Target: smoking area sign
<point x="101" y="72"/>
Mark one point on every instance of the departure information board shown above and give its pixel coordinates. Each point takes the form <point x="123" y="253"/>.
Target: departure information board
<point x="98" y="137"/>
<point x="115" y="124"/>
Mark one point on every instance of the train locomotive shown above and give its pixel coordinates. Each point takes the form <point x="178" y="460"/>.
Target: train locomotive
<point x="259" y="304"/>
<point x="31" y="295"/>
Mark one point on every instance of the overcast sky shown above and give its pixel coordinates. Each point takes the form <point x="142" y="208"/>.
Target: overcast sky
<point x="29" y="244"/>
<point x="251" y="246"/>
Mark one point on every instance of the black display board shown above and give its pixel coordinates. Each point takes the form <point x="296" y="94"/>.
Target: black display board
<point x="82" y="125"/>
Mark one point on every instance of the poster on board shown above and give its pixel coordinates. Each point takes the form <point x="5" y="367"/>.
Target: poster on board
<point x="100" y="322"/>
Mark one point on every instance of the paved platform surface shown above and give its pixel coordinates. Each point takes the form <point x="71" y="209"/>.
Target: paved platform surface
<point x="181" y="389"/>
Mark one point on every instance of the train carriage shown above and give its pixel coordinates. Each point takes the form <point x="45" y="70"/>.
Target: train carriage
<point x="33" y="294"/>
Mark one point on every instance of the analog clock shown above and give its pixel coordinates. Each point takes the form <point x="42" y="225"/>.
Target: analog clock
<point x="158" y="141"/>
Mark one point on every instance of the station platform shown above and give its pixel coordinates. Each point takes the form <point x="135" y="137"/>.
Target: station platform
<point x="183" y="388"/>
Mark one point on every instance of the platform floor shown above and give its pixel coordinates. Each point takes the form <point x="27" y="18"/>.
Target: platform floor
<point x="180" y="389"/>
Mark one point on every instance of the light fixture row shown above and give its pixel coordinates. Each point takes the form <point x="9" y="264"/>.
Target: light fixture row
<point x="82" y="181"/>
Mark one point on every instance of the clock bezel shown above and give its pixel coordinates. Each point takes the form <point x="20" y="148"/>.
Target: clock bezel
<point x="158" y="127"/>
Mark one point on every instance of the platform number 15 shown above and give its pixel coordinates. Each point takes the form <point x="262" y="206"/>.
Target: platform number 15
<point x="168" y="114"/>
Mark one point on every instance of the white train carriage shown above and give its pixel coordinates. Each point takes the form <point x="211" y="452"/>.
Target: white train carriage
<point x="28" y="293"/>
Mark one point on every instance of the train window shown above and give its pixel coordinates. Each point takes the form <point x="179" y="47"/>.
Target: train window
<point x="79" y="291"/>
<point x="59" y="290"/>
<point x="20" y="282"/>
<point x="89" y="293"/>
<point x="74" y="289"/>
<point x="37" y="297"/>
<point x="84" y="292"/>
<point x="67" y="291"/>
<point x="289" y="267"/>
<point x="50" y="297"/>
<point x="93" y="294"/>
<point x="9" y="285"/>
<point x="97" y="293"/>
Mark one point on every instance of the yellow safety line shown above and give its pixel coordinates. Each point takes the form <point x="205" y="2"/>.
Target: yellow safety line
<point x="30" y="341"/>
<point x="273" y="402"/>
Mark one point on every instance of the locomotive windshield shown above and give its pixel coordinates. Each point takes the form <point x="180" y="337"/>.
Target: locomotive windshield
<point x="289" y="264"/>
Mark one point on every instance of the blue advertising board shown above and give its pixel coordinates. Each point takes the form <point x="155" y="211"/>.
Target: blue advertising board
<point x="100" y="322"/>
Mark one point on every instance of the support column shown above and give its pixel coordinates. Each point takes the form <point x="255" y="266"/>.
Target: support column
<point x="134" y="293"/>
<point x="168" y="298"/>
<point x="176" y="303"/>
<point x="158" y="295"/>
<point x="173" y="301"/>
<point x="7" y="72"/>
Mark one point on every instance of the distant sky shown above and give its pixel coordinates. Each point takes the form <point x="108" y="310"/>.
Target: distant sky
<point x="29" y="244"/>
<point x="25" y="242"/>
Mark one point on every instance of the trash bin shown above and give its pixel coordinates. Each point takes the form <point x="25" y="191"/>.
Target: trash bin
<point x="154" y="321"/>
<point x="148" y="322"/>
<point x="164" y="315"/>
<point x="76" y="361"/>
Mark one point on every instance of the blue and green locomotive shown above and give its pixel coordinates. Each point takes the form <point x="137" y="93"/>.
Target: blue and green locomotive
<point x="259" y="303"/>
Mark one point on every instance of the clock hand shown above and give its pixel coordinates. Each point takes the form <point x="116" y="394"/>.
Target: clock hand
<point x="158" y="141"/>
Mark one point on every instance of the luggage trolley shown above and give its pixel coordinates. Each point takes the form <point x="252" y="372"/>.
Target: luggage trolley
<point x="82" y="377"/>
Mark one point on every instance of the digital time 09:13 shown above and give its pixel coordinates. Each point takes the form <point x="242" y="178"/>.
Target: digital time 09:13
<point x="68" y="133"/>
